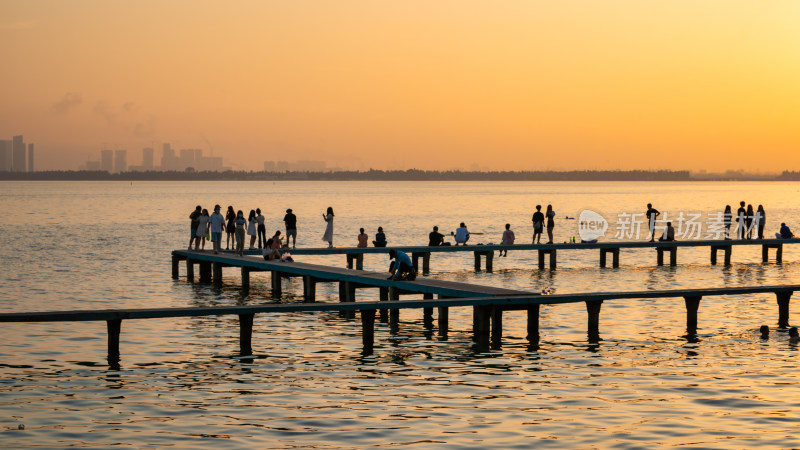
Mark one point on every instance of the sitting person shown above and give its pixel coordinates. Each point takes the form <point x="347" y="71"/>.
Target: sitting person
<point x="272" y="247"/>
<point x="435" y="239"/>
<point x="785" y="233"/>
<point x="401" y="268"/>
<point x="380" y="238"/>
<point x="508" y="239"/>
<point x="362" y="238"/>
<point x="461" y="235"/>
<point x="669" y="233"/>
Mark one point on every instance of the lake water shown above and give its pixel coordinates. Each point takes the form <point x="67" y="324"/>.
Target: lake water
<point x="94" y="245"/>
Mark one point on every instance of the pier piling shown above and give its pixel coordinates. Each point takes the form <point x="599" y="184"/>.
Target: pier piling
<point x="216" y="268"/>
<point x="783" y="308"/>
<point x="276" y="284"/>
<point x="245" y="279"/>
<point x="481" y="319"/>
<point x="175" y="263"/>
<point x="533" y="323"/>
<point x="384" y="297"/>
<point x="614" y="257"/>
<point x="205" y="272"/>
<point x="778" y="252"/>
<point x="497" y="326"/>
<point x="593" y="310"/>
<point x="552" y="253"/>
<point x="692" y="305"/>
<point x="309" y="289"/>
<point x="246" y="334"/>
<point x="113" y="328"/>
<point x="189" y="270"/>
<point x="394" y="313"/>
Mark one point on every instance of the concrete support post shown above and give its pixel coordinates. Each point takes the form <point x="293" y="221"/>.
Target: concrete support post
<point x="426" y="263"/>
<point x="276" y="284"/>
<point x="245" y="279"/>
<point x="113" y="327"/>
<point x="384" y="296"/>
<point x="783" y="308"/>
<point x="394" y="313"/>
<point x="368" y="329"/>
<point x="489" y="259"/>
<point x="477" y="261"/>
<point x="533" y="324"/>
<point x="309" y="289"/>
<point x="692" y="305"/>
<point x="497" y="326"/>
<point x="246" y="334"/>
<point x="216" y="268"/>
<point x="205" y="272"/>
<point x="175" y="262"/>
<point x="427" y="313"/>
<point x="481" y="320"/>
<point x="593" y="310"/>
<point x="189" y="270"/>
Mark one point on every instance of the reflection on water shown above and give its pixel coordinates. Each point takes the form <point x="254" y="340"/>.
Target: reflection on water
<point x="645" y="383"/>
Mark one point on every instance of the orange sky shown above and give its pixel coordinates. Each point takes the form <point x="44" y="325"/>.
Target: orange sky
<point x="398" y="84"/>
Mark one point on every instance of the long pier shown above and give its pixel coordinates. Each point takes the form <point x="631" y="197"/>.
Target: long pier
<point x="548" y="253"/>
<point x="487" y="312"/>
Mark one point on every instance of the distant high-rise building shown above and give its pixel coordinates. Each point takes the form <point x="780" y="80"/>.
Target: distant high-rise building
<point x="120" y="161"/>
<point x="30" y="158"/>
<point x="168" y="159"/>
<point x="269" y="166"/>
<point x="187" y="158"/>
<point x="147" y="158"/>
<point x="5" y="156"/>
<point x="107" y="160"/>
<point x="282" y="166"/>
<point x="18" y="157"/>
<point x="308" y="166"/>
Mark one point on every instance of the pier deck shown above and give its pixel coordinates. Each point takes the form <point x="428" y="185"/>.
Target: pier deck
<point x="550" y="250"/>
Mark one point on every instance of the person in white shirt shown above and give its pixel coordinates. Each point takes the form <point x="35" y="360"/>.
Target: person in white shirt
<point x="461" y="235"/>
<point x="216" y="225"/>
<point x="202" y="229"/>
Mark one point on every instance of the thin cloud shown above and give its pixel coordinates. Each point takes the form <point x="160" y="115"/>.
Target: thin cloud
<point x="103" y="110"/>
<point x="70" y="101"/>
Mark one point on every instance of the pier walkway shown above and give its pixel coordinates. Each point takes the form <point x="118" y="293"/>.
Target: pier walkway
<point x="487" y="313"/>
<point x="549" y="252"/>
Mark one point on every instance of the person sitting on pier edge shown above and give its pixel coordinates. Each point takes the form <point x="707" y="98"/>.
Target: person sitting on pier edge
<point x="508" y="239"/>
<point x="461" y="235"/>
<point x="380" y="238"/>
<point x="435" y="239"/>
<point x="538" y="224"/>
<point x="216" y="223"/>
<point x="669" y="233"/>
<point x="785" y="233"/>
<point x="272" y="247"/>
<point x="363" y="238"/>
<point x="401" y="268"/>
<point x="651" y="215"/>
<point x="195" y="218"/>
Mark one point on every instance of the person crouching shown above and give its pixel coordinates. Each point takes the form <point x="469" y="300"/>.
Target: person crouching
<point x="400" y="267"/>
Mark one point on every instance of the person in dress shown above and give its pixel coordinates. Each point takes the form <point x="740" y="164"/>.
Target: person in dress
<point x="749" y="221"/>
<point x="727" y="218"/>
<point x="251" y="228"/>
<point x="202" y="229"/>
<point x="328" y="236"/>
<point x="761" y="220"/>
<point x="380" y="238"/>
<point x="230" y="227"/>
<point x="216" y="225"/>
<point x="550" y="215"/>
<point x="261" y="229"/>
<point x="240" y="223"/>
<point x="508" y="239"/>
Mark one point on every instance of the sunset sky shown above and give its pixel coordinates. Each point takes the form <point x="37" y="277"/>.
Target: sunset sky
<point x="433" y="84"/>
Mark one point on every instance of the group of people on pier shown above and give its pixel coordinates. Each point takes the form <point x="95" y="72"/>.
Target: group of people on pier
<point x="205" y="226"/>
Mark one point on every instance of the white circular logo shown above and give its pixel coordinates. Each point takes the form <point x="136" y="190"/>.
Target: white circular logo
<point x="591" y="225"/>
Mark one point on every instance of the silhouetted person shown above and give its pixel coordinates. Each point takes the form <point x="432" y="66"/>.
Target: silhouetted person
<point x="195" y="222"/>
<point x="461" y="235"/>
<point x="761" y="220"/>
<point x="727" y="218"/>
<point x="669" y="233"/>
<point x="230" y="228"/>
<point x="216" y="223"/>
<point x="508" y="239"/>
<point x="328" y="236"/>
<point x="748" y="221"/>
<point x="261" y="229"/>
<point x="785" y="233"/>
<point x="435" y="239"/>
<point x="538" y="225"/>
<point x="741" y="215"/>
<point x="380" y="238"/>
<point x="290" y="220"/>
<point x="764" y="332"/>
<point x="550" y="215"/>
<point x="651" y="215"/>
<point x="363" y="238"/>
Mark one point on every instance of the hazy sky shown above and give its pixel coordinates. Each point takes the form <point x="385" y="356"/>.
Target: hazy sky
<point x="429" y="84"/>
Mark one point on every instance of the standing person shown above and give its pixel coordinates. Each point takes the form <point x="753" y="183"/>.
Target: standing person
<point x="461" y="235"/>
<point x="363" y="238"/>
<point x="230" y="227"/>
<point x="216" y="225"/>
<point x="291" y="227"/>
<point x="538" y="224"/>
<point x="195" y="218"/>
<point x="727" y="217"/>
<point x="651" y="215"/>
<point x="380" y="238"/>
<point x="260" y="228"/>
<point x="741" y="214"/>
<point x="240" y="223"/>
<point x="761" y="220"/>
<point x="202" y="229"/>
<point x="749" y="221"/>
<point x="435" y="239"/>
<point x="508" y="239"/>
<point x="251" y="228"/>
<point x="328" y="236"/>
<point x="550" y="215"/>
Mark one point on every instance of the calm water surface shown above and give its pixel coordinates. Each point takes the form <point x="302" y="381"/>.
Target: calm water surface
<point x="87" y="245"/>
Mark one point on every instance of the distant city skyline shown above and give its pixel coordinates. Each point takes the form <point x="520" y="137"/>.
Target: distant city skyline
<point x="16" y="155"/>
<point x="360" y="84"/>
